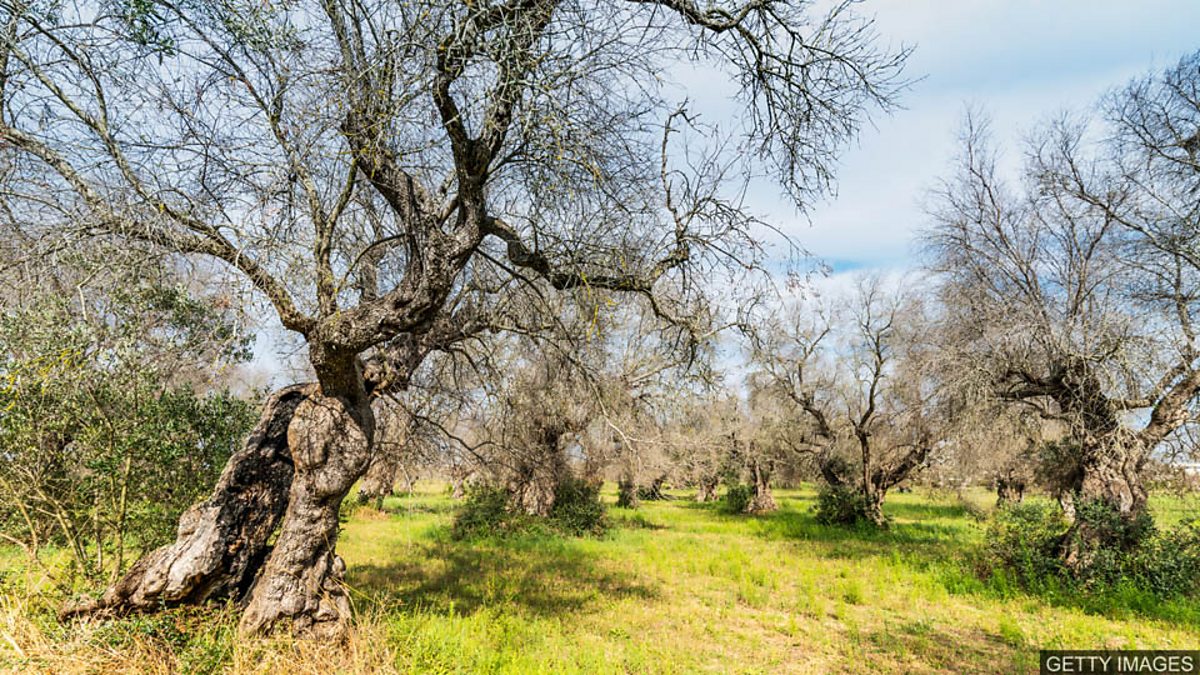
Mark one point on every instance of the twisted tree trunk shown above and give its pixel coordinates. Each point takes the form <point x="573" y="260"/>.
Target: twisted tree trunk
<point x="300" y="587"/>
<point x="1111" y="474"/>
<point x="1010" y="489"/>
<point x="380" y="478"/>
<point x="762" y="501"/>
<point x="387" y="460"/>
<point x="654" y="492"/>
<point x="222" y="541"/>
<point x="459" y="476"/>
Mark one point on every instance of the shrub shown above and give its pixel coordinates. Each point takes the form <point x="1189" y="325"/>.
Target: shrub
<point x="1023" y="540"/>
<point x="1024" y="544"/>
<point x="1168" y="564"/>
<point x="577" y="508"/>
<point x="484" y="511"/>
<point x="1113" y="533"/>
<point x="487" y="510"/>
<point x="737" y="498"/>
<point x="841" y="505"/>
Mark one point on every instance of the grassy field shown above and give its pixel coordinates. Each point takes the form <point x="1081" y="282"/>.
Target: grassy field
<point x="675" y="587"/>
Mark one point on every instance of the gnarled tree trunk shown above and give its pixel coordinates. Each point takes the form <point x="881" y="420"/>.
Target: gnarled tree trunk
<point x="459" y="477"/>
<point x="300" y="587"/>
<point x="654" y="492"/>
<point x="378" y="482"/>
<point x="1010" y="489"/>
<point x="222" y="541"/>
<point x="532" y="487"/>
<point x="1111" y="473"/>
<point x="387" y="459"/>
<point x="762" y="501"/>
<point x="874" y="507"/>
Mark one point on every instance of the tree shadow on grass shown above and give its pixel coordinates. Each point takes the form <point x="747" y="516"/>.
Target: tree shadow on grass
<point x="542" y="575"/>
<point x="950" y="650"/>
<point x="920" y="543"/>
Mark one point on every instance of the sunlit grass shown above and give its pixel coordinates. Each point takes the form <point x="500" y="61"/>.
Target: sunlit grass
<point x="674" y="587"/>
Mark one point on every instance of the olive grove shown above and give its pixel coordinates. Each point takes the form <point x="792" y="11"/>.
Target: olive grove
<point x="388" y="177"/>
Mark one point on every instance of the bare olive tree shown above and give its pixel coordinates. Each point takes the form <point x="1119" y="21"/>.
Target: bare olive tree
<point x="1074" y="292"/>
<point x="865" y="377"/>
<point x="379" y="172"/>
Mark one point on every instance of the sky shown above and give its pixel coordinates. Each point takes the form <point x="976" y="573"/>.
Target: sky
<point x="1019" y="61"/>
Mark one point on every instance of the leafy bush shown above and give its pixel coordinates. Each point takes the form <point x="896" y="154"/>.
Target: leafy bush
<point x="577" y="508"/>
<point x="484" y="511"/>
<point x="1112" y="532"/>
<point x="737" y="498"/>
<point x="1023" y="540"/>
<point x="1024" y="544"/>
<point x="114" y="420"/>
<point x="1168" y="564"/>
<point x="841" y="505"/>
<point x="487" y="510"/>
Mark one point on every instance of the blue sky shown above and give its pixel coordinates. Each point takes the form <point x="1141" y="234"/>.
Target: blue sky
<point x="1020" y="61"/>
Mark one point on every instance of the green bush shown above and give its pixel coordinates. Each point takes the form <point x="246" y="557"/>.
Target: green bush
<point x="1023" y="541"/>
<point x="1168" y="564"/>
<point x="841" y="505"/>
<point x="1024" y="544"/>
<point x="484" y="511"/>
<point x="488" y="511"/>
<point x="737" y="498"/>
<point x="577" y="508"/>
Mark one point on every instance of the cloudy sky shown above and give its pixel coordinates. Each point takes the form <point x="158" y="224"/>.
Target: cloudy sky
<point x="1018" y="60"/>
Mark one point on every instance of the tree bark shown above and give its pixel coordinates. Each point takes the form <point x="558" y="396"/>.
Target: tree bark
<point x="301" y="585"/>
<point x="533" y="485"/>
<point x="706" y="491"/>
<point x="222" y="541"/>
<point x="762" y="501"/>
<point x="655" y="492"/>
<point x="627" y="493"/>
<point x="1010" y="489"/>
<point x="387" y="458"/>
<point x="459" y="476"/>
<point x="1111" y="473"/>
<point x="874" y="508"/>
<point x="1066" y="501"/>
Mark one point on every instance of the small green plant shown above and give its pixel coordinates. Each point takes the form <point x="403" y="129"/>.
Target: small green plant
<point x="737" y="498"/>
<point x="841" y="505"/>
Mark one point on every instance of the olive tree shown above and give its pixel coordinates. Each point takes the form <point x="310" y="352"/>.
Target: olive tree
<point x="380" y="172"/>
<point x="864" y="376"/>
<point x="1073" y="290"/>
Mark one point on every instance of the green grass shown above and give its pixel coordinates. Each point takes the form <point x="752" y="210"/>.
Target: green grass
<point x="678" y="587"/>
